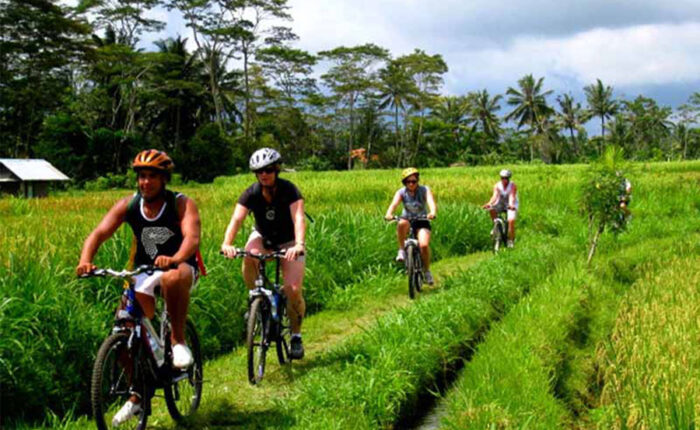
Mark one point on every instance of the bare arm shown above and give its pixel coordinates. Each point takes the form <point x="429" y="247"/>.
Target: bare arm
<point x="511" y="197"/>
<point x="239" y="214"/>
<point x="392" y="207"/>
<point x="431" y="204"/>
<point x="104" y="230"/>
<point x="494" y="197"/>
<point x="191" y="227"/>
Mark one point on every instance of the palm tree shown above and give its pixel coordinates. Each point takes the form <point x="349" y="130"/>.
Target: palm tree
<point x="531" y="107"/>
<point x="483" y="110"/>
<point x="600" y="102"/>
<point x="453" y="112"/>
<point x="397" y="91"/>
<point x="572" y="116"/>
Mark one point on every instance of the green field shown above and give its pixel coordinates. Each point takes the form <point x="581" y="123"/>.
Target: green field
<point x="546" y="341"/>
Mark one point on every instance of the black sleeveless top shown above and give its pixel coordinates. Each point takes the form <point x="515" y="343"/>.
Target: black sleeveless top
<point x="156" y="236"/>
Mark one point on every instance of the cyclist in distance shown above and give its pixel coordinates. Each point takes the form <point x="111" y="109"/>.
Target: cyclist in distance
<point x="278" y="208"/>
<point x="505" y="199"/>
<point x="625" y="193"/>
<point x="418" y="201"/>
<point x="166" y="229"/>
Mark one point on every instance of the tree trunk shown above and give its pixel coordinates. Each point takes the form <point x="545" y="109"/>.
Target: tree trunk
<point x="352" y="123"/>
<point x="399" y="149"/>
<point x="594" y="243"/>
<point x="247" y="97"/>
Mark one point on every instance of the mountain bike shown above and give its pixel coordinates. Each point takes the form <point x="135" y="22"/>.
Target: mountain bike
<point x="136" y="359"/>
<point x="414" y="262"/>
<point x="499" y="233"/>
<point x="266" y="319"/>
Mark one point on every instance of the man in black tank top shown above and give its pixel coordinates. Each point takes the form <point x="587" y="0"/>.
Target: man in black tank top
<point x="166" y="229"/>
<point x="278" y="208"/>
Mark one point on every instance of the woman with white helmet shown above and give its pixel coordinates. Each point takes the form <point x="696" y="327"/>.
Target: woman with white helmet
<point x="278" y="208"/>
<point x="505" y="199"/>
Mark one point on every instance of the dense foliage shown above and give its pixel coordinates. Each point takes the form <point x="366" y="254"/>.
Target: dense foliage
<point x="79" y="87"/>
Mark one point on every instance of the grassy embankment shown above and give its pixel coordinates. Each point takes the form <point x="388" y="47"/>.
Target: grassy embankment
<point x="570" y="355"/>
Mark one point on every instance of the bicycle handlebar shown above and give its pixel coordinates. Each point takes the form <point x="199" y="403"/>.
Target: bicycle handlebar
<point x="145" y="268"/>
<point x="410" y="218"/>
<point x="240" y="253"/>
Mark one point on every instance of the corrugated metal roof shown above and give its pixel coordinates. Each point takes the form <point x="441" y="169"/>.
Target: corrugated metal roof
<point x="34" y="169"/>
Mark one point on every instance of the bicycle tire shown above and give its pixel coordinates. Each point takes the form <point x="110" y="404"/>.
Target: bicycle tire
<point x="410" y="269"/>
<point x="284" y="334"/>
<point x="497" y="235"/>
<point x="109" y="368"/>
<point x="257" y="340"/>
<point x="418" y="270"/>
<point x="178" y="390"/>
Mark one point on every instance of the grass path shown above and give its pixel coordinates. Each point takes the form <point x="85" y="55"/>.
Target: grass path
<point x="229" y="401"/>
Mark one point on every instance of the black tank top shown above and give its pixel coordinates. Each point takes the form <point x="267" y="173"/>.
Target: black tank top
<point x="156" y="236"/>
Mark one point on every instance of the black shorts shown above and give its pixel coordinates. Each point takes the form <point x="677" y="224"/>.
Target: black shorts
<point x="419" y="224"/>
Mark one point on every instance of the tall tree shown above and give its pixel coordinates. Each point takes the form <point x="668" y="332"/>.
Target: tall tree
<point x="127" y="17"/>
<point x="571" y="116"/>
<point x="290" y="70"/>
<point x="41" y="43"/>
<point x="688" y="115"/>
<point x="397" y="90"/>
<point x="176" y="97"/>
<point x="601" y="102"/>
<point x="483" y="109"/>
<point x="426" y="71"/>
<point x="350" y="76"/>
<point x="531" y="106"/>
<point x="455" y="114"/>
<point x="249" y="17"/>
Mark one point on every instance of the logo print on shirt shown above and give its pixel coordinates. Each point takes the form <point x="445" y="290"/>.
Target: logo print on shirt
<point x="270" y="214"/>
<point x="152" y="236"/>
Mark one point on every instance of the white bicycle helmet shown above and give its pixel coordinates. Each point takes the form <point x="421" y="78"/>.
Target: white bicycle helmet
<point x="264" y="157"/>
<point x="505" y="173"/>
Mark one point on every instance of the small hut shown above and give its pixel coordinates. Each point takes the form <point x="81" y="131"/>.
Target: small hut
<point x="28" y="177"/>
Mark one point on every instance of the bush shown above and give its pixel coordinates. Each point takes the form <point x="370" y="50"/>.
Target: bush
<point x="209" y="154"/>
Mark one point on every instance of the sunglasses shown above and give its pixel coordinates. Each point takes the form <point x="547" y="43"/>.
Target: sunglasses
<point x="410" y="181"/>
<point x="267" y="170"/>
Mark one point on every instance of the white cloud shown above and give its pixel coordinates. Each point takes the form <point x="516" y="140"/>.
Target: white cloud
<point x="640" y="55"/>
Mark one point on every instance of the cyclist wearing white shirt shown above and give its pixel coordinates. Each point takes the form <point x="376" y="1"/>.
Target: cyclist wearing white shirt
<point x="505" y="199"/>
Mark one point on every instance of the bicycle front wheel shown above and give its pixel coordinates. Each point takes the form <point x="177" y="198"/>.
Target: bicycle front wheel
<point x="257" y="340"/>
<point x="114" y="376"/>
<point x="183" y="391"/>
<point x="418" y="270"/>
<point x="410" y="271"/>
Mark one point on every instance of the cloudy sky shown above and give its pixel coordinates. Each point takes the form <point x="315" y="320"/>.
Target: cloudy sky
<point x="649" y="47"/>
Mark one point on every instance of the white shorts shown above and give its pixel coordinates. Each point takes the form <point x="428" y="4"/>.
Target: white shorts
<point x="512" y="214"/>
<point x="256" y="235"/>
<point x="146" y="284"/>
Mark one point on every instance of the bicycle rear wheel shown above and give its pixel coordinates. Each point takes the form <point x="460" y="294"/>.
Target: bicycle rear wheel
<point x="183" y="390"/>
<point x="284" y="334"/>
<point x="257" y="339"/>
<point x="115" y="375"/>
<point x="410" y="271"/>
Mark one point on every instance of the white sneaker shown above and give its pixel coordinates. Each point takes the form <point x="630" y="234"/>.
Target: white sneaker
<point x="510" y="244"/>
<point x="429" y="278"/>
<point x="401" y="256"/>
<point x="127" y="412"/>
<point x="182" y="356"/>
